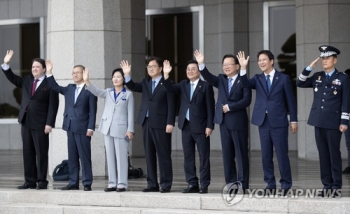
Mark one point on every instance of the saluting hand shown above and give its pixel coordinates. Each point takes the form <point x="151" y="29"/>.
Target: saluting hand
<point x="8" y="56"/>
<point x="199" y="56"/>
<point x="49" y="67"/>
<point x="243" y="62"/>
<point x="313" y="63"/>
<point x="126" y="67"/>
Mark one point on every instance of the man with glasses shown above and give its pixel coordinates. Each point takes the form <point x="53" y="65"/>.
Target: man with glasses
<point x="157" y="117"/>
<point x="231" y="115"/>
<point x="196" y="117"/>
<point x="79" y="123"/>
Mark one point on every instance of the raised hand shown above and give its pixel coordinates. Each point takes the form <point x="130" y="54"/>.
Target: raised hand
<point x="199" y="57"/>
<point x="8" y="56"/>
<point x="126" y="67"/>
<point x="313" y="63"/>
<point x="49" y="67"/>
<point x="86" y="76"/>
<point x="166" y="67"/>
<point x="243" y="62"/>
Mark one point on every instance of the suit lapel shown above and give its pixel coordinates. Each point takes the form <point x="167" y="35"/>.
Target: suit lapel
<point x="198" y="87"/>
<point x="262" y="80"/>
<point x="160" y="83"/>
<point x="235" y="84"/>
<point x="121" y="95"/>
<point x="42" y="84"/>
<point x="275" y="80"/>
<point x="188" y="90"/>
<point x="80" y="94"/>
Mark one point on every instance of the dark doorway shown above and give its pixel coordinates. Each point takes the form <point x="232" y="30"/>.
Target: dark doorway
<point x="172" y="39"/>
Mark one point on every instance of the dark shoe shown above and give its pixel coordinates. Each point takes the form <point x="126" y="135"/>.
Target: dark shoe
<point x="27" y="186"/>
<point x="346" y="170"/>
<point x="191" y="189"/>
<point x="121" y="189"/>
<point x="203" y="191"/>
<point x="41" y="186"/>
<point x="164" y="190"/>
<point x="110" y="189"/>
<point x="284" y="192"/>
<point x="336" y="193"/>
<point x="87" y="188"/>
<point x="70" y="187"/>
<point x="151" y="189"/>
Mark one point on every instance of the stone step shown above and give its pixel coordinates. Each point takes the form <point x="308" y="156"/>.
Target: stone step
<point x="129" y="202"/>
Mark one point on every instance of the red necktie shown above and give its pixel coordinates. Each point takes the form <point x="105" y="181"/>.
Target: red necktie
<point x="34" y="85"/>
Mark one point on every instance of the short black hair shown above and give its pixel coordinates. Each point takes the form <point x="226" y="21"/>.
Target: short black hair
<point x="41" y="61"/>
<point x="230" y="56"/>
<point x="120" y="71"/>
<point x="268" y="53"/>
<point x="192" y="62"/>
<point x="158" y="60"/>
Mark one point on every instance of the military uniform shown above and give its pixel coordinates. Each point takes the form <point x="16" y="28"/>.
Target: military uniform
<point x="329" y="110"/>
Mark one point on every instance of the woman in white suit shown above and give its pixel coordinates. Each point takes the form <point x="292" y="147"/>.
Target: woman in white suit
<point x="117" y="124"/>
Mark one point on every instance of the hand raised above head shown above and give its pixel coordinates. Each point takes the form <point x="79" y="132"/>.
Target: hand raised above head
<point x="49" y="67"/>
<point x="8" y="56"/>
<point x="86" y="75"/>
<point x="166" y="67"/>
<point x="199" y="56"/>
<point x="126" y="67"/>
<point x="243" y="62"/>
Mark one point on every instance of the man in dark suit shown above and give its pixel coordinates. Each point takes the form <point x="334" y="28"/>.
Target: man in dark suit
<point x="37" y="117"/>
<point x="79" y="123"/>
<point x="273" y="89"/>
<point x="329" y="114"/>
<point x="157" y="117"/>
<point x="196" y="122"/>
<point x="231" y="115"/>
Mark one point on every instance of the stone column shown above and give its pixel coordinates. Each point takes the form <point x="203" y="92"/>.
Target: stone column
<point x="318" y="23"/>
<point x="87" y="33"/>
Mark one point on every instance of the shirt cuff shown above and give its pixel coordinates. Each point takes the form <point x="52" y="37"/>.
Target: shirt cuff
<point x="243" y="72"/>
<point x="90" y="130"/>
<point x="127" y="78"/>
<point x="201" y="66"/>
<point x="49" y="75"/>
<point x="308" y="68"/>
<point x="293" y="122"/>
<point x="5" y="67"/>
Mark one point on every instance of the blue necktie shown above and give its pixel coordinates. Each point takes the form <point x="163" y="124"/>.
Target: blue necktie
<point x="268" y="83"/>
<point x="328" y="77"/>
<point x="191" y="94"/>
<point x="153" y="85"/>
<point x="76" y="94"/>
<point x="229" y="84"/>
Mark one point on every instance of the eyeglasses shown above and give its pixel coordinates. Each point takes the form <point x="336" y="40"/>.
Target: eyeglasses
<point x="76" y="73"/>
<point x="152" y="66"/>
<point x="227" y="65"/>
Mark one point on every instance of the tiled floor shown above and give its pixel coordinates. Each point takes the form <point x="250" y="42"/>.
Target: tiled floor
<point x="305" y="173"/>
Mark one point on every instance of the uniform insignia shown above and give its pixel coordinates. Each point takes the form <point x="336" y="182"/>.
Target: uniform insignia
<point x="238" y="81"/>
<point x="324" y="48"/>
<point x="336" y="82"/>
<point x="335" y="92"/>
<point x="316" y="89"/>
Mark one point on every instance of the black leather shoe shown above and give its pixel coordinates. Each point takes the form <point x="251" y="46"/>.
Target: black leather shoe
<point x="346" y="170"/>
<point x="110" y="189"/>
<point x="121" y="189"/>
<point x="203" y="191"/>
<point x="191" y="189"/>
<point x="87" y="188"/>
<point x="27" y="186"/>
<point x="41" y="186"/>
<point x="151" y="189"/>
<point x="164" y="190"/>
<point x="70" y="187"/>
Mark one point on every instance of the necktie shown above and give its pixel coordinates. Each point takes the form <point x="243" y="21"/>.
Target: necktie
<point x="34" y="86"/>
<point x="268" y="83"/>
<point x="191" y="94"/>
<point x="76" y="94"/>
<point x="229" y="84"/>
<point x="153" y="85"/>
<point x="328" y="77"/>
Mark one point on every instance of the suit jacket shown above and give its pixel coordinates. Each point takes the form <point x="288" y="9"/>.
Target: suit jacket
<point x="238" y="100"/>
<point x="330" y="106"/>
<point x="273" y="102"/>
<point x="161" y="104"/>
<point x="118" y="115"/>
<point x="201" y="106"/>
<point x="41" y="108"/>
<point x="78" y="116"/>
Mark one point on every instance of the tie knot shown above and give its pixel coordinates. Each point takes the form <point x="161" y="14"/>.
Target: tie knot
<point x="36" y="80"/>
<point x="268" y="76"/>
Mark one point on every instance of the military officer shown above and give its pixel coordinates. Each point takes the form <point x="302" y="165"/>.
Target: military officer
<point x="329" y="115"/>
